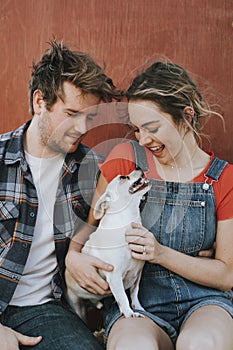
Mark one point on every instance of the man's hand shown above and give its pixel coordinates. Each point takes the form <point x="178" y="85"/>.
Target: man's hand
<point x="10" y="339"/>
<point x="84" y="269"/>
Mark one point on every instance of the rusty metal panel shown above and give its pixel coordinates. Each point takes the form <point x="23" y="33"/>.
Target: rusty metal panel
<point x="125" y="35"/>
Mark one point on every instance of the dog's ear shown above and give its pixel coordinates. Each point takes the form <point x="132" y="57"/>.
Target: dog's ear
<point x="101" y="206"/>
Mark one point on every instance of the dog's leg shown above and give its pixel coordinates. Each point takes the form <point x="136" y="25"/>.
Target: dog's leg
<point x="115" y="282"/>
<point x="134" y="293"/>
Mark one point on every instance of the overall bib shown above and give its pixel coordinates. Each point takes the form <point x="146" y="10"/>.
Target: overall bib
<point x="182" y="217"/>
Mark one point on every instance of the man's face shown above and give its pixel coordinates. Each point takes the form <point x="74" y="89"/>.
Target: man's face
<point x="62" y="128"/>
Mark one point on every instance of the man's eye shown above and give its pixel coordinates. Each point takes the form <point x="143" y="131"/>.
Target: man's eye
<point x="90" y="117"/>
<point x="68" y="114"/>
<point x="72" y="114"/>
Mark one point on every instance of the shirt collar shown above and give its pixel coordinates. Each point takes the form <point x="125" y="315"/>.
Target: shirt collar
<point x="14" y="151"/>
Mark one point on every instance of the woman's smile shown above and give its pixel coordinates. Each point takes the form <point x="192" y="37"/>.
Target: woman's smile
<point x="157" y="150"/>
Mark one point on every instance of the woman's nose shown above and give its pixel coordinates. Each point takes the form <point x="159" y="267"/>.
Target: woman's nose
<point x="144" y="138"/>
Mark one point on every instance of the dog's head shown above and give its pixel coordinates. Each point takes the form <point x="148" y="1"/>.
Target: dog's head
<point x="121" y="192"/>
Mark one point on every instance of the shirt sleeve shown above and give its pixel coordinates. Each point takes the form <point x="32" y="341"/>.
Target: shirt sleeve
<point x="224" y="194"/>
<point x="120" y="161"/>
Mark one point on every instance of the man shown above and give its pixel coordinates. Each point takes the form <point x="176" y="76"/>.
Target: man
<point x="47" y="179"/>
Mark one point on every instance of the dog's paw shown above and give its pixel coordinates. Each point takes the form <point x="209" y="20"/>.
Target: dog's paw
<point x="137" y="314"/>
<point x="133" y="315"/>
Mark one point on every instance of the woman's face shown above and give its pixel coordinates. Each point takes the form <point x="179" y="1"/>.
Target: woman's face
<point x="156" y="130"/>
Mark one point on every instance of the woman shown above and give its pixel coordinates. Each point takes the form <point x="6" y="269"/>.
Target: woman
<point x="187" y="299"/>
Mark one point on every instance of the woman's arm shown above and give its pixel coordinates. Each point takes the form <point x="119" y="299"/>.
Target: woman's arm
<point x="216" y="273"/>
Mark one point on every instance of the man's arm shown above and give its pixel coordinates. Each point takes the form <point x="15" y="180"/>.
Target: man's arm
<point x="82" y="267"/>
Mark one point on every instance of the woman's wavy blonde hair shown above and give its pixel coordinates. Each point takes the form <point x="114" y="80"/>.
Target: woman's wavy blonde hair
<point x="171" y="88"/>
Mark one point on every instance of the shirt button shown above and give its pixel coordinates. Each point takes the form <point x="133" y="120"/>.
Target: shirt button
<point x="203" y="204"/>
<point x="32" y="214"/>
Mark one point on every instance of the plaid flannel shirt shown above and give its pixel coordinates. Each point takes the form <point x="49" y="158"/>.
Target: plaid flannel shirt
<point x="19" y="205"/>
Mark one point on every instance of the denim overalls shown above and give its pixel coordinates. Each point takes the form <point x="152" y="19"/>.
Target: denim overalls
<point x="182" y="217"/>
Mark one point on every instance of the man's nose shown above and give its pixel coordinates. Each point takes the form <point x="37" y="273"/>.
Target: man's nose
<point x="81" y="125"/>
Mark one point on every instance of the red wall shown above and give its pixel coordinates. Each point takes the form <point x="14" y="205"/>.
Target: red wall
<point x="124" y="34"/>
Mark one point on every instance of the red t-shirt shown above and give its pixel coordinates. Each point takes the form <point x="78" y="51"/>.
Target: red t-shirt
<point x="121" y="161"/>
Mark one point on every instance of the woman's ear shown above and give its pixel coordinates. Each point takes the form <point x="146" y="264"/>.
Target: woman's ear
<point x="38" y="101"/>
<point x="188" y="114"/>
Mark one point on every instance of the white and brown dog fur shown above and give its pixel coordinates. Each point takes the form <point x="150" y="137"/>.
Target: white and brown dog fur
<point x="117" y="208"/>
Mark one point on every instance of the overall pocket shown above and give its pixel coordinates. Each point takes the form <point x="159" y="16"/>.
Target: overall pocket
<point x="179" y="224"/>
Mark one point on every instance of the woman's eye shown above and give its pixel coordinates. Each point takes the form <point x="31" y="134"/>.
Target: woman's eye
<point x="153" y="131"/>
<point x="134" y="129"/>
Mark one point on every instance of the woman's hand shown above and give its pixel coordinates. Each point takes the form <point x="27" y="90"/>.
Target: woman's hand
<point x="211" y="272"/>
<point x="210" y="253"/>
<point x="11" y="340"/>
<point x="143" y="244"/>
<point x="84" y="269"/>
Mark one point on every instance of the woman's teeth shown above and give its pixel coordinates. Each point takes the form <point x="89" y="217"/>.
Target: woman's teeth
<point x="157" y="148"/>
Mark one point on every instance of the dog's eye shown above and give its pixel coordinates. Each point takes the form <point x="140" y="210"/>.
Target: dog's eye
<point x="122" y="177"/>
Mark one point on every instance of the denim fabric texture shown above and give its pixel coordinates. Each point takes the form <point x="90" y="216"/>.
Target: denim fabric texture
<point x="182" y="217"/>
<point x="60" y="327"/>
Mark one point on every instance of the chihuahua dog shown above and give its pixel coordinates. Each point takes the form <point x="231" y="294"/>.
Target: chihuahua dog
<point x="116" y="209"/>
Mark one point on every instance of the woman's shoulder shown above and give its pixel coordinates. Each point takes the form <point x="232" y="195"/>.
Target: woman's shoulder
<point x="228" y="168"/>
<point x="227" y="176"/>
<point x="223" y="189"/>
<point x="120" y="161"/>
<point x="121" y="150"/>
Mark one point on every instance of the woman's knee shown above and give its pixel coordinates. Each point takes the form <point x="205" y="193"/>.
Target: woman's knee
<point x="128" y="342"/>
<point x="188" y="341"/>
<point x="209" y="327"/>
<point x="137" y="334"/>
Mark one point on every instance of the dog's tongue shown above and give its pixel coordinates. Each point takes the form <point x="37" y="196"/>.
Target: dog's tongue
<point x="141" y="183"/>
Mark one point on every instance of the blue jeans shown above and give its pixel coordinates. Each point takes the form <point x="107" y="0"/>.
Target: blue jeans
<point x="60" y="328"/>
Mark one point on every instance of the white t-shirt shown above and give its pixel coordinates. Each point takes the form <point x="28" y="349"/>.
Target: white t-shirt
<point x="34" y="286"/>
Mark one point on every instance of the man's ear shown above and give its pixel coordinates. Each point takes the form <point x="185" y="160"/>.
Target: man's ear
<point x="38" y="101"/>
<point x="101" y="205"/>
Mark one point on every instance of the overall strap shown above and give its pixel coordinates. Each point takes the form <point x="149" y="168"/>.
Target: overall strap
<point x="216" y="168"/>
<point x="139" y="156"/>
